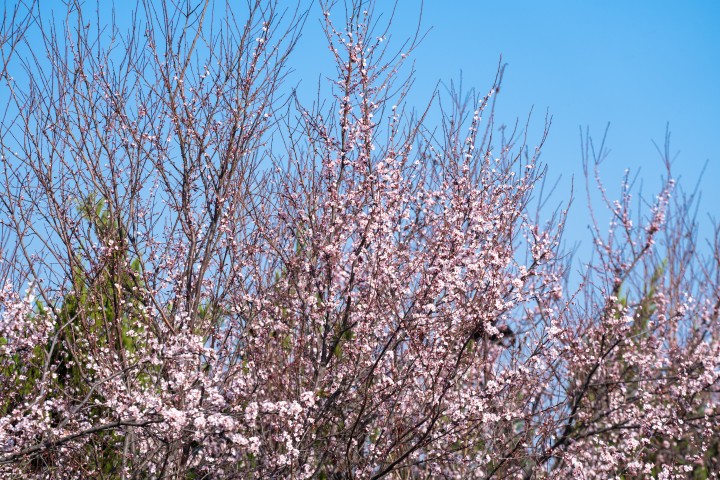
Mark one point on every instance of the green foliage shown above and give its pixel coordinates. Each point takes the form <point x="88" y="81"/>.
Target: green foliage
<point x="23" y="373"/>
<point x="103" y="313"/>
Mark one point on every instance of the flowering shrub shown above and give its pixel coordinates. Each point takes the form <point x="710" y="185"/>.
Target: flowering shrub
<point x="205" y="278"/>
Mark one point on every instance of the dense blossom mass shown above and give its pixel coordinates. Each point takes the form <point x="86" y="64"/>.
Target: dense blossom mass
<point x="205" y="276"/>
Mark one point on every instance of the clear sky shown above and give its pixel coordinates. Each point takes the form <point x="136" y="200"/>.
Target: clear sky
<point x="638" y="65"/>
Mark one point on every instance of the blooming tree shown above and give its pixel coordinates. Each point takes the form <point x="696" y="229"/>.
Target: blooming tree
<point x="205" y="277"/>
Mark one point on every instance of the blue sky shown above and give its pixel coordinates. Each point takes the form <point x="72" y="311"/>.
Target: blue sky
<point x="638" y="65"/>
